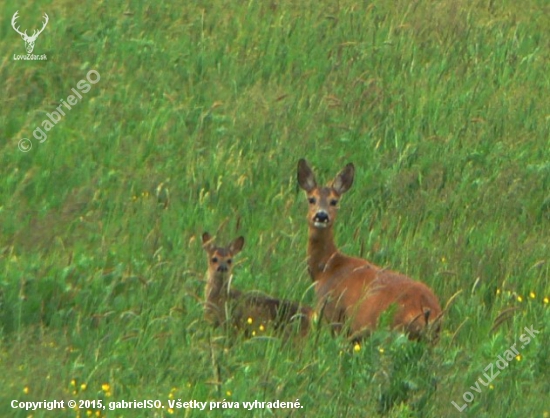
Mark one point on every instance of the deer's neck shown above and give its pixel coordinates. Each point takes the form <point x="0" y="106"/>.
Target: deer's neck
<point x="217" y="289"/>
<point x="320" y="250"/>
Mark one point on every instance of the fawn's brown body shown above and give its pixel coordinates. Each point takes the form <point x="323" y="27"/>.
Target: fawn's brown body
<point x="225" y="306"/>
<point x="351" y="289"/>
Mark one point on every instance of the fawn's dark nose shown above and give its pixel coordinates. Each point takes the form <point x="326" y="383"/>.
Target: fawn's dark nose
<point x="321" y="217"/>
<point x="222" y="268"/>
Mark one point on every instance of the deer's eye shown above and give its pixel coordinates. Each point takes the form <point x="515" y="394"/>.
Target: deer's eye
<point x="312" y="200"/>
<point x="229" y="261"/>
<point x="333" y="202"/>
<point x="214" y="259"/>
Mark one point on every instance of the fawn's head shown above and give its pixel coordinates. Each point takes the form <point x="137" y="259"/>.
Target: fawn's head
<point x="323" y="201"/>
<point x="220" y="259"/>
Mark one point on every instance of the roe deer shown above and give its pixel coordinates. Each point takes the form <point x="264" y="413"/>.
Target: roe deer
<point x="352" y="289"/>
<point x="230" y="307"/>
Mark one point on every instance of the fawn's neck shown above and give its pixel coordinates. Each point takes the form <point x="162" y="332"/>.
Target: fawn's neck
<point x="320" y="249"/>
<point x="217" y="288"/>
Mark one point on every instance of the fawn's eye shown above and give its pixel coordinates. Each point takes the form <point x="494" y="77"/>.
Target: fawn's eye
<point x="229" y="261"/>
<point x="214" y="259"/>
<point x="333" y="202"/>
<point x="312" y="200"/>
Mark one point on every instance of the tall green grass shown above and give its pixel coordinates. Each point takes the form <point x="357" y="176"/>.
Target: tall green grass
<point x="197" y="123"/>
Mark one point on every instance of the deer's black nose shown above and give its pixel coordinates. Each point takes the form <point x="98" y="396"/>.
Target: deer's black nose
<point x="321" y="217"/>
<point x="222" y="268"/>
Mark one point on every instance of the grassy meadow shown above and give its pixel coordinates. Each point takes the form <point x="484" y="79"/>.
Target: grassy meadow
<point x="197" y="122"/>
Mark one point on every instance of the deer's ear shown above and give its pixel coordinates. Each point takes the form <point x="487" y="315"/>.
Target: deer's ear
<point x="237" y="245"/>
<point x="306" y="178"/>
<point x="344" y="180"/>
<point x="207" y="241"/>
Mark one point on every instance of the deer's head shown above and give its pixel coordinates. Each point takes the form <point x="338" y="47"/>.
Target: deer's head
<point x="323" y="201"/>
<point x="220" y="259"/>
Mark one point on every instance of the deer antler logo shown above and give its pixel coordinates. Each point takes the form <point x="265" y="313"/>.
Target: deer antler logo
<point x="29" y="40"/>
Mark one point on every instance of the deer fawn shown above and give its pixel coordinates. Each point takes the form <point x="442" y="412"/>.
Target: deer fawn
<point x="354" y="289"/>
<point x="230" y="307"/>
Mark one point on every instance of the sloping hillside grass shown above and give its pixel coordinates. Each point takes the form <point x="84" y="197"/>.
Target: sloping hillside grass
<point x="196" y="123"/>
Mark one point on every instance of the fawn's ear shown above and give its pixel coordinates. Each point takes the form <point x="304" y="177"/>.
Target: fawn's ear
<point x="343" y="181"/>
<point x="207" y="242"/>
<point x="306" y="178"/>
<point x="237" y="245"/>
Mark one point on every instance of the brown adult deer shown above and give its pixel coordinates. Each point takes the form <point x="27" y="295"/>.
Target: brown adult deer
<point x="254" y="313"/>
<point x="352" y="290"/>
